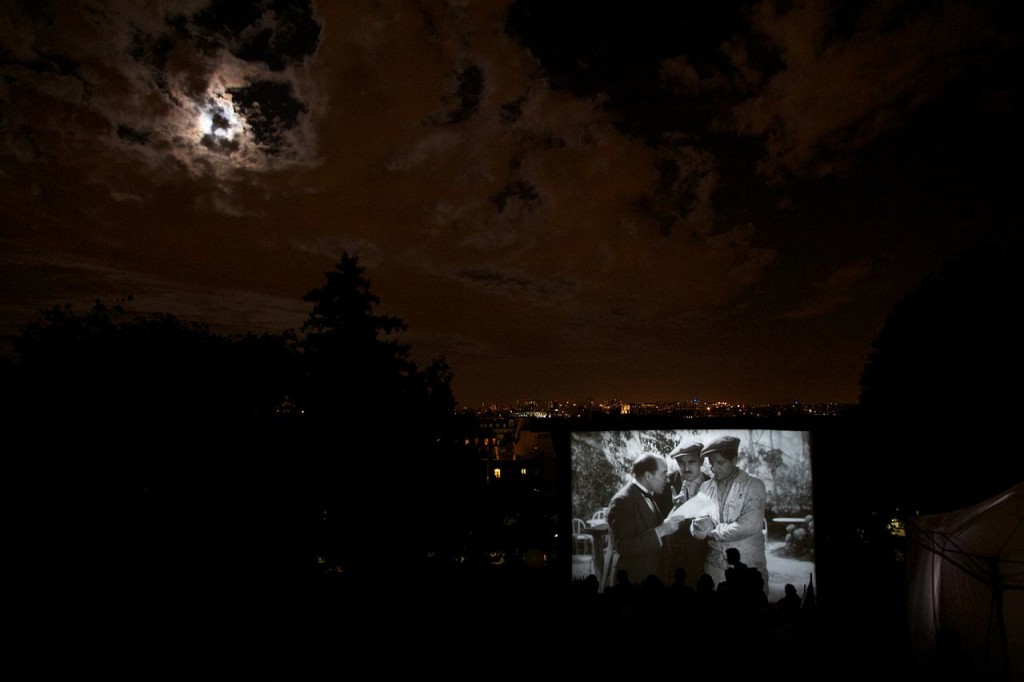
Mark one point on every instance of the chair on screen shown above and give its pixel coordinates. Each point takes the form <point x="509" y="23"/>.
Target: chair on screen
<point x="600" y="514"/>
<point x="583" y="542"/>
<point x="582" y="550"/>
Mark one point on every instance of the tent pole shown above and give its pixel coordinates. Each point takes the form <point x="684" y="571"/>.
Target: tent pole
<point x="997" y="609"/>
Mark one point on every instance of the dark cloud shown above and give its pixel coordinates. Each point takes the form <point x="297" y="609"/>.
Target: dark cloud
<point x="132" y="136"/>
<point x="270" y="110"/>
<point x="621" y="53"/>
<point x="276" y="32"/>
<point x="470" y="86"/>
<point x="518" y="190"/>
<point x="516" y="285"/>
<point x="722" y="199"/>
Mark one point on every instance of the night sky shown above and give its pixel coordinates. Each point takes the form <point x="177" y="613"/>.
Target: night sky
<point x="644" y="201"/>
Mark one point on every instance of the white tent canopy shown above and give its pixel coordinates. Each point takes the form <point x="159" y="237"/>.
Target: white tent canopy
<point x="966" y="572"/>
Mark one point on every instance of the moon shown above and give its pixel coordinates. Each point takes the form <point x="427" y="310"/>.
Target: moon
<point x="220" y="126"/>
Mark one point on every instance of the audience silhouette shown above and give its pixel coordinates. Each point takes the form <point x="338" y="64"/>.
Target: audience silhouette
<point x="789" y="604"/>
<point x="948" y="661"/>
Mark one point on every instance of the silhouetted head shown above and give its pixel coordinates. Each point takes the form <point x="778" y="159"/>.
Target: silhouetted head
<point x="706" y="583"/>
<point x="652" y="582"/>
<point x="947" y="638"/>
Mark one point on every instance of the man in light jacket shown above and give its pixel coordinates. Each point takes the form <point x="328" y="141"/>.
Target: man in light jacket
<point x="738" y="517"/>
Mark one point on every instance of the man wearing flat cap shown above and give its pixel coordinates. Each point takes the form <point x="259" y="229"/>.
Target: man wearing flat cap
<point x="738" y="520"/>
<point x="686" y="551"/>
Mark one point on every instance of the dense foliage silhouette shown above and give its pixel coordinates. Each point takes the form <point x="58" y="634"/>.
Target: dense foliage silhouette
<point x="937" y="390"/>
<point x="151" y="449"/>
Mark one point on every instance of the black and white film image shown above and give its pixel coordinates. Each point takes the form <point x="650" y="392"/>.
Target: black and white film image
<point x="601" y="465"/>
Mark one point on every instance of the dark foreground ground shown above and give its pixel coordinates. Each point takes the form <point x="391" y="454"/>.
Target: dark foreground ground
<point x="453" y="624"/>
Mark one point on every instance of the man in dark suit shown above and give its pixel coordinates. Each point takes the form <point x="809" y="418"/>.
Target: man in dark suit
<point x="637" y="525"/>
<point x="685" y="550"/>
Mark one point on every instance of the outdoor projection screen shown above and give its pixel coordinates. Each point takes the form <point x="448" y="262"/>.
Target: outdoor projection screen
<point x="601" y="463"/>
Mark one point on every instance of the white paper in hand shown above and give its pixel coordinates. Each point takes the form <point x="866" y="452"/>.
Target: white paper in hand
<point x="695" y="507"/>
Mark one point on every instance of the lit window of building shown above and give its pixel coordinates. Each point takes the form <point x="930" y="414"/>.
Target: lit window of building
<point x="497" y="473"/>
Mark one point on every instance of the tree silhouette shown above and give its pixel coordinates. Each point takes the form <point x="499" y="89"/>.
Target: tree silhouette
<point x="438" y="377"/>
<point x="935" y="385"/>
<point x="151" y="440"/>
<point x="107" y="369"/>
<point x="372" y="419"/>
<point x="143" y="444"/>
<point x="351" y="362"/>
